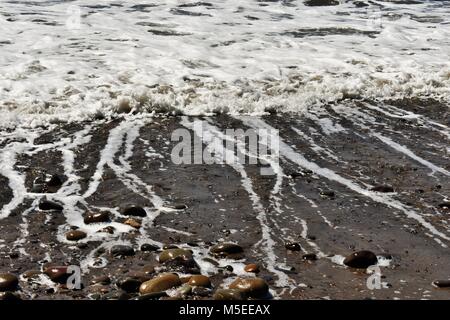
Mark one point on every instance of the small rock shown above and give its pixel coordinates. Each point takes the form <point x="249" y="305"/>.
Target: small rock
<point x="149" y="247"/>
<point x="441" y="283"/>
<point x="321" y="3"/>
<point x="182" y="264"/>
<point x="229" y="294"/>
<point x="122" y="251"/>
<point x="108" y="229"/>
<point x="293" y="246"/>
<point x="199" y="281"/>
<point x="75" y="235"/>
<point x="8" y="282"/>
<point x="361" y="259"/>
<point x="201" y="291"/>
<point x="129" y="284"/>
<point x="170" y="254"/>
<point x="327" y="193"/>
<point x="226" y="250"/>
<point x="382" y="188"/>
<point x="310" y="257"/>
<point x="160" y="283"/>
<point x="103" y="280"/>
<point x="252" y="268"/>
<point x="148" y="269"/>
<point x="444" y="205"/>
<point x="57" y="274"/>
<point x="252" y="287"/>
<point x="96" y="217"/>
<point x="134" y="211"/>
<point x="47" y="205"/>
<point x="132" y="223"/>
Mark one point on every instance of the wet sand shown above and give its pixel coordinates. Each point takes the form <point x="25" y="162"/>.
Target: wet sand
<point x="320" y="199"/>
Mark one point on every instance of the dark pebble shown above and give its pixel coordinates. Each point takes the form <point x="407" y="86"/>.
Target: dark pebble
<point x="293" y="246"/>
<point x="441" y="283"/>
<point x="47" y="205"/>
<point x="310" y="257"/>
<point x="134" y="211"/>
<point x="8" y="282"/>
<point x="361" y="259"/>
<point x="122" y="250"/>
<point x="96" y="217"/>
<point x="382" y="188"/>
<point x="149" y="247"/>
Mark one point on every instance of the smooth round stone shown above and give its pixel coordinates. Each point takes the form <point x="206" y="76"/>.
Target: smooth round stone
<point x="148" y="269"/>
<point x="122" y="250"/>
<point x="361" y="259"/>
<point x="252" y="287"/>
<point x="252" y="268"/>
<point x="199" y="281"/>
<point x="47" y="205"/>
<point x="293" y="246"/>
<point x="134" y="211"/>
<point x="149" y="247"/>
<point x="160" y="283"/>
<point x="229" y="294"/>
<point x="8" y="282"/>
<point x="171" y="254"/>
<point x="96" y="217"/>
<point x="75" y="235"/>
<point x="226" y="249"/>
<point x="54" y="181"/>
<point x="320" y="3"/>
<point x="132" y="223"/>
<point x="441" y="283"/>
<point x="57" y="273"/>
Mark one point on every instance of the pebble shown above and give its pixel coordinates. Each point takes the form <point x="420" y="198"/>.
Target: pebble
<point x="103" y="280"/>
<point x="199" y="281"/>
<point x="148" y="269"/>
<point x="8" y="282"/>
<point x="129" y="284"/>
<point x="228" y="294"/>
<point x="361" y="259"/>
<point x="441" y="283"/>
<point x="122" y="250"/>
<point x="75" y="235"/>
<point x="201" y="291"/>
<point x="171" y="254"/>
<point x="160" y="283"/>
<point x="444" y="205"/>
<point x="47" y="205"/>
<point x="382" y="188"/>
<point x="134" y="211"/>
<point x="149" y="247"/>
<point x="252" y="268"/>
<point x="96" y="217"/>
<point x="318" y="3"/>
<point x="109" y="229"/>
<point x="293" y="246"/>
<point x="57" y="273"/>
<point x="132" y="223"/>
<point x="252" y="287"/>
<point x="182" y="264"/>
<point x="226" y="249"/>
<point x="310" y="257"/>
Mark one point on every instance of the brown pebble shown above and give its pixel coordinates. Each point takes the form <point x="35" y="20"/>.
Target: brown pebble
<point x="441" y="283"/>
<point x="199" y="281"/>
<point x="96" y="217"/>
<point x="160" y="283"/>
<point x="252" y="287"/>
<point x="75" y="235"/>
<point x="8" y="282"/>
<point x="132" y="223"/>
<point x="253" y="268"/>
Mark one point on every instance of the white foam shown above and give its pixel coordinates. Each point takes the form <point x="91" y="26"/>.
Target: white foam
<point x="239" y="65"/>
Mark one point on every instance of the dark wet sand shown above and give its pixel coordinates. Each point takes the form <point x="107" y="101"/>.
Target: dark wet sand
<point x="220" y="209"/>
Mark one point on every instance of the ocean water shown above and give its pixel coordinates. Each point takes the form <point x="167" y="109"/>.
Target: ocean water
<point x="80" y="60"/>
